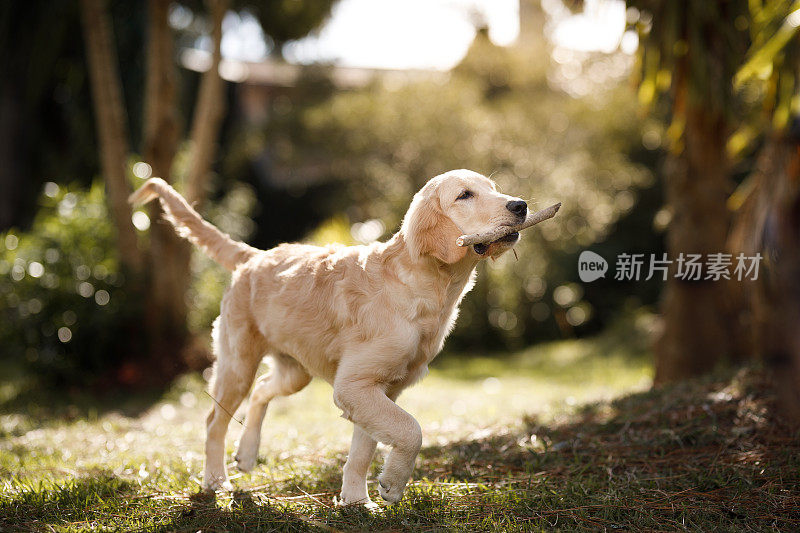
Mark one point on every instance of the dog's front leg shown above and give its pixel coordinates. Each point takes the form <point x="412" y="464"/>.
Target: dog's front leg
<point x="354" y="475"/>
<point x="366" y="404"/>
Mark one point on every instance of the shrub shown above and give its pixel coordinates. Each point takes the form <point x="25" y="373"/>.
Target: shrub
<point x="64" y="309"/>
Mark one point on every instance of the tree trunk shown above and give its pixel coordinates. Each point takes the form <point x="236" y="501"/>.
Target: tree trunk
<point x="169" y="254"/>
<point x="695" y="332"/>
<point x="208" y="114"/>
<point x="111" y="126"/>
<point x="769" y="223"/>
<point x="168" y="273"/>
<point x="161" y="127"/>
<point x="12" y="175"/>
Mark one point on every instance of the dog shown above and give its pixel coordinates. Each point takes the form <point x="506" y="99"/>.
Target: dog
<point x="366" y="319"/>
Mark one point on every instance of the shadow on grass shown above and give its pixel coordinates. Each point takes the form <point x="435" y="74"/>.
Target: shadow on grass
<point x="281" y="505"/>
<point x="704" y="455"/>
<point x="23" y="394"/>
<point x="72" y="502"/>
<point x="244" y="513"/>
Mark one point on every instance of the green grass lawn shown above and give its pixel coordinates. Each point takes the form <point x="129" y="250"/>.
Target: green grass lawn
<point x="561" y="436"/>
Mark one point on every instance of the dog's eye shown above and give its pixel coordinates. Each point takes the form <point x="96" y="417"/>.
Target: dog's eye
<point x="464" y="195"/>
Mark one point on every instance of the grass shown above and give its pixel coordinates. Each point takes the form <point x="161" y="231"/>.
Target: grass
<point x="563" y="436"/>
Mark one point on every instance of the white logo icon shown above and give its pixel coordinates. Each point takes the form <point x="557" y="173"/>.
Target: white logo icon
<point x="591" y="266"/>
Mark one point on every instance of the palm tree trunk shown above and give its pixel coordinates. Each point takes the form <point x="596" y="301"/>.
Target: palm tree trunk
<point x="695" y="332"/>
<point x="769" y="223"/>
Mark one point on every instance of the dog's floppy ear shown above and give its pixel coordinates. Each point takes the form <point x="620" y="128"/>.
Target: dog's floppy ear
<point x="428" y="231"/>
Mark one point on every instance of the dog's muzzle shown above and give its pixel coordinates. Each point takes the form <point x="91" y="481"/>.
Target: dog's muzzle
<point x="482" y="248"/>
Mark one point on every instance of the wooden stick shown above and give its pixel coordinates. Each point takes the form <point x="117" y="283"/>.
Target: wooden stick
<point x="502" y="231"/>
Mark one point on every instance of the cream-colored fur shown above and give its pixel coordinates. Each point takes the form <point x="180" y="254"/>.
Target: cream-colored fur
<point x="367" y="319"/>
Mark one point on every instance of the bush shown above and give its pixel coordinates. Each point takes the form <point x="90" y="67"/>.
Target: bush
<point x="64" y="309"/>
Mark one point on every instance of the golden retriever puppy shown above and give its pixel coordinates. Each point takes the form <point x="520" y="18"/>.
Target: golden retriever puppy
<point x="366" y="319"/>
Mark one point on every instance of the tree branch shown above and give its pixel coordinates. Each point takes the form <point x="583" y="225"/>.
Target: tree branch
<point x="502" y="231"/>
<point x="208" y="113"/>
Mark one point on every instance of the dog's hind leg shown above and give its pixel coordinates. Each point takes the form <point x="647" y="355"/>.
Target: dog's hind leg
<point x="239" y="350"/>
<point x="286" y="377"/>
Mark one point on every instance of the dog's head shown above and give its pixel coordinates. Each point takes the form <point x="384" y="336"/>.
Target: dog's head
<point x="456" y="203"/>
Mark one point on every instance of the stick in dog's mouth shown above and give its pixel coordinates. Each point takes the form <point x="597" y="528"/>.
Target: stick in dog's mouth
<point x="482" y="240"/>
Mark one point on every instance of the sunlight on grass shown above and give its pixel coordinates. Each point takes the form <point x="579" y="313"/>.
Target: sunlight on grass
<point x="512" y="443"/>
<point x="461" y="396"/>
<point x="48" y="459"/>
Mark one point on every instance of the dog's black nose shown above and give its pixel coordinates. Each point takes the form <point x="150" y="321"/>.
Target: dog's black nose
<point x="518" y="207"/>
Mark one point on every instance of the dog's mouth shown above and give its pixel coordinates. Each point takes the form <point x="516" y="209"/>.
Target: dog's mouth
<point x="482" y="248"/>
<point x="511" y="237"/>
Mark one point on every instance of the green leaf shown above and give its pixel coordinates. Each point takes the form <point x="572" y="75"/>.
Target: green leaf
<point x="741" y="139"/>
<point x="647" y="88"/>
<point x="762" y="59"/>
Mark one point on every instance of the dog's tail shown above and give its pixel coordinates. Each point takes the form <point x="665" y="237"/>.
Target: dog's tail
<point x="190" y="225"/>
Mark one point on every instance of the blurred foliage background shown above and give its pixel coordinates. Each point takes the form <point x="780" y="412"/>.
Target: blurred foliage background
<point x="382" y="143"/>
<point x="325" y="161"/>
<point x="320" y="152"/>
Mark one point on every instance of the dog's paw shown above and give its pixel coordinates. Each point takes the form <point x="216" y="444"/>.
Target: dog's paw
<point x="366" y="503"/>
<point x="245" y="462"/>
<point x="391" y="492"/>
<point x="213" y="483"/>
<point x="247" y="450"/>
